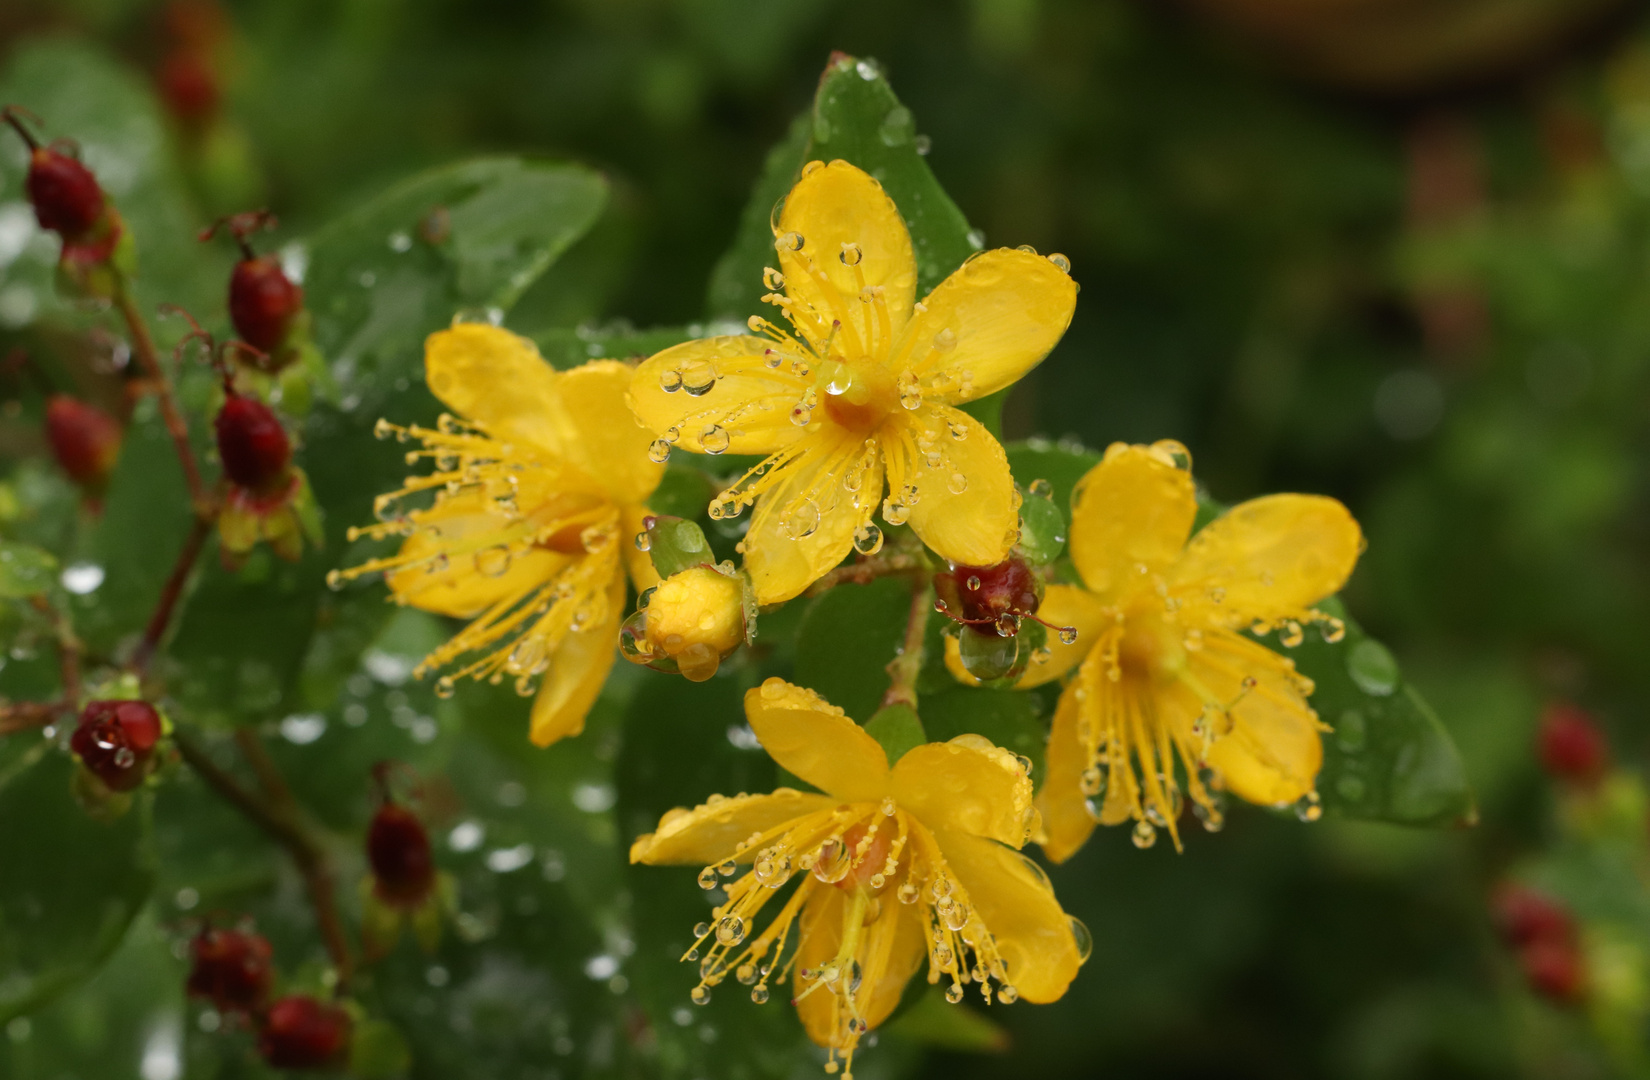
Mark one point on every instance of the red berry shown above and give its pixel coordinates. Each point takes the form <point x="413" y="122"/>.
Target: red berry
<point x="115" y="740"/>
<point x="1524" y="916"/>
<point x="981" y="594"/>
<point x="300" y="1032"/>
<point x="253" y="444"/>
<point x="398" y="847"/>
<point x="85" y="439"/>
<point x="1554" y="970"/>
<point x="189" y="86"/>
<point x="231" y="969"/>
<point x="1571" y="745"/>
<point x="263" y="301"/>
<point x="64" y="192"/>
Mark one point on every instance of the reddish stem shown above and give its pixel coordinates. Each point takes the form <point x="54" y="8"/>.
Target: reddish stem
<point x="199" y="530"/>
<point x="143" y="345"/>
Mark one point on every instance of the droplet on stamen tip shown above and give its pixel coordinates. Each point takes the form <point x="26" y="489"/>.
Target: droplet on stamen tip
<point x="707" y="881"/>
<point x="1145" y="835"/>
<point x="868" y="539"/>
<point x="700" y="995"/>
<point x="773" y="279"/>
<point x="444" y="687"/>
<point x="851" y="254"/>
<point x="954" y="993"/>
<point x="791" y="241"/>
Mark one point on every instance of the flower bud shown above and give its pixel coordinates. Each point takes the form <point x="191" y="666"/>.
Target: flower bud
<point x="398" y="849"/>
<point x="1571" y="745"/>
<point x="300" y="1032"/>
<point x="84" y="439"/>
<point x="230" y="968"/>
<point x="690" y="621"/>
<point x="65" y="194"/>
<point x="253" y="444"/>
<point x="189" y="87"/>
<point x="115" y="741"/>
<point x="263" y="302"/>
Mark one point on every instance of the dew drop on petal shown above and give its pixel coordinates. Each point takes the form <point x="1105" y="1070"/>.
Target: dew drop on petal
<point x="715" y="439"/>
<point x="658" y="452"/>
<point x="868" y="539"/>
<point x="957" y="484"/>
<point x="670" y="380"/>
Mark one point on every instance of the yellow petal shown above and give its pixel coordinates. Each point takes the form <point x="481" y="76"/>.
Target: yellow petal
<point x="990" y="322"/>
<point x="816" y="741"/>
<point x="609" y="444"/>
<point x="967" y="784"/>
<point x="457" y="587"/>
<point x="1274" y="751"/>
<point x="781" y="555"/>
<point x="1066" y="820"/>
<point x="642" y="574"/>
<point x="890" y="951"/>
<point x="1132" y="510"/>
<point x="710" y="833"/>
<point x="578" y="668"/>
<point x="746" y="400"/>
<point x="1272" y="556"/>
<point x="964" y="494"/>
<point x="1013" y="898"/>
<point x="498" y="380"/>
<point x="830" y="206"/>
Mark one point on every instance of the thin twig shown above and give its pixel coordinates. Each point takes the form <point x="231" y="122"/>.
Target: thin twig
<point x="866" y="571"/>
<point x="27" y="715"/>
<point x="161" y="619"/>
<point x="68" y="647"/>
<point x="904" y="668"/>
<point x="278" y="815"/>
<point x="143" y="346"/>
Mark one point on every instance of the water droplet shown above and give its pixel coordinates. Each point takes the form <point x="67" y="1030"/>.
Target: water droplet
<point x="125" y="758"/>
<point x="444" y="687"/>
<point x="1309" y="807"/>
<point x="791" y="241"/>
<point x="715" y="439"/>
<point x="1333" y="630"/>
<point x="760" y="995"/>
<point x="658" y="452"/>
<point x="897" y="127"/>
<point x="1067" y="635"/>
<point x="1060" y="262"/>
<point x="699" y="378"/>
<point x="973" y="582"/>
<point x="945" y="340"/>
<point x="924" y="144"/>
<point x="851" y="254"/>
<point x="802" y="521"/>
<point x="1085" y="940"/>
<point x="707" y="880"/>
<point x="493" y="562"/>
<point x="775" y="281"/>
<point x="908" y="893"/>
<point x="868" y="539"/>
<point x="959" y="431"/>
<point x="1292" y="634"/>
<point x="1007" y="994"/>
<point x="1145" y="835"/>
<point x="1008" y="624"/>
<point x="910" y="391"/>
<point x="957" y="484"/>
<point x="644" y="542"/>
<point x="954" y="993"/>
<point x="730" y="930"/>
<point x="700" y="995"/>
<point x="670" y="380"/>
<point x="1373" y="668"/>
<point x="832" y="862"/>
<point x="976" y="239"/>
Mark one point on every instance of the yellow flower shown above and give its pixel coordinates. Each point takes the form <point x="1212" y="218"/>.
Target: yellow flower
<point x="864" y="387"/>
<point x="895" y="864"/>
<point x="1165" y="671"/>
<point x="537" y="492"/>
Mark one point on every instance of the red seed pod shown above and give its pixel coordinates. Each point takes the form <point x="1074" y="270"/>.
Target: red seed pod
<point x="231" y="969"/>
<point x="300" y="1032"/>
<point x="983" y="594"/>
<point x="1524" y="916"/>
<point x="398" y="849"/>
<point x="263" y="301"/>
<point x="189" y="86"/>
<point x="1571" y="745"/>
<point x="253" y="444"/>
<point x="64" y="192"/>
<point x="84" y="439"/>
<point x="1555" y="970"/>
<point x="115" y="740"/>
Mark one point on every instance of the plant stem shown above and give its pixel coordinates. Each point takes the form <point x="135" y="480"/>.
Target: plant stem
<point x="277" y="814"/>
<point x="904" y="668"/>
<point x="143" y="346"/>
<point x="868" y="570"/>
<point x="27" y="715"/>
<point x="199" y="530"/>
<point x="68" y="648"/>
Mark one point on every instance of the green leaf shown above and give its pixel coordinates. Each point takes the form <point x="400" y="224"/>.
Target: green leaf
<point x="570" y="348"/>
<point x="1010" y="718"/>
<point x="736" y="282"/>
<point x="1388" y="757"/>
<point x="378" y="1051"/>
<point x="25" y="570"/>
<point x="846" y="640"/>
<point x="898" y="729"/>
<point x="71" y="885"/>
<point x="935" y="1022"/>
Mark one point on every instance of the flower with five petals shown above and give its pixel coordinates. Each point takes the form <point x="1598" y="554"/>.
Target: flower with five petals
<point x="864" y="387"/>
<point x="1166" y="678"/>
<point x="538" y="485"/>
<point x="895" y="865"/>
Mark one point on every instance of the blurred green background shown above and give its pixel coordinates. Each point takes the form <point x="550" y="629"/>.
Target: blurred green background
<point x="1394" y="251"/>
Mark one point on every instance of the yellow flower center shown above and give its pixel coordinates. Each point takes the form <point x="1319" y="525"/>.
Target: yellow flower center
<point x="858" y="394"/>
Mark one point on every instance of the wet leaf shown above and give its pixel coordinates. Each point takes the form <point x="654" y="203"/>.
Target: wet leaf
<point x="25" y="570"/>
<point x="846" y="640"/>
<point x="72" y="885"/>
